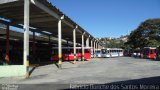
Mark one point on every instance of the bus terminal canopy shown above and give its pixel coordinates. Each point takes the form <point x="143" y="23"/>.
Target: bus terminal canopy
<point x="43" y="18"/>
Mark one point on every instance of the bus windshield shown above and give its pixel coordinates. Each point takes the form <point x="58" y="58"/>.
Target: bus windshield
<point x="152" y="51"/>
<point x="103" y="51"/>
<point x="87" y="50"/>
<point x="146" y="51"/>
<point x="98" y="51"/>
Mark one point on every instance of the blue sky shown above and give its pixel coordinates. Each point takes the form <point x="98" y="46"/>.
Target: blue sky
<point x="109" y="18"/>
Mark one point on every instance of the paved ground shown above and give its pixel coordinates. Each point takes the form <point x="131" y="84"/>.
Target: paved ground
<point x="98" y="71"/>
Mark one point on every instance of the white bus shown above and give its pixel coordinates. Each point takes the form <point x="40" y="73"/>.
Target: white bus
<point x="112" y="52"/>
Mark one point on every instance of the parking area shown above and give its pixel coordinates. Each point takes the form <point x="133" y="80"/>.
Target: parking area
<point x="97" y="70"/>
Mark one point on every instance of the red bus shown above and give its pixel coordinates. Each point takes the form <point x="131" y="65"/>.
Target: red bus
<point x="149" y="52"/>
<point x="68" y="55"/>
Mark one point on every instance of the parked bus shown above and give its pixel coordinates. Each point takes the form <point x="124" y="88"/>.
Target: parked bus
<point x="128" y="52"/>
<point x="149" y="52"/>
<point x="137" y="53"/>
<point x="112" y="52"/>
<point x="98" y="53"/>
<point x="158" y="53"/>
<point x="68" y="54"/>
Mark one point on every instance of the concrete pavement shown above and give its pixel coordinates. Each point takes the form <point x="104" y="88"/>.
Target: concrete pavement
<point x="95" y="71"/>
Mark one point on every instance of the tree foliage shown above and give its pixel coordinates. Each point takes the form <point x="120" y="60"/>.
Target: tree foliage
<point x="115" y="44"/>
<point x="119" y="42"/>
<point x="146" y="35"/>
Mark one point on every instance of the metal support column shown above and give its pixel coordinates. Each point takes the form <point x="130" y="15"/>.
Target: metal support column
<point x="87" y="42"/>
<point x="83" y="46"/>
<point x="26" y="36"/>
<point x="7" y="44"/>
<point x="60" y="42"/>
<point x="74" y="43"/>
<point x="91" y="43"/>
<point x="94" y="49"/>
<point x="97" y="45"/>
<point x="91" y="48"/>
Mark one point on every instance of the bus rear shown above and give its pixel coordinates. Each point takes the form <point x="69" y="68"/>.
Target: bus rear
<point x="87" y="53"/>
<point x="149" y="53"/>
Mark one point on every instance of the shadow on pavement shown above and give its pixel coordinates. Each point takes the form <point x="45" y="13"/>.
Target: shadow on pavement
<point x="151" y="83"/>
<point x="30" y="72"/>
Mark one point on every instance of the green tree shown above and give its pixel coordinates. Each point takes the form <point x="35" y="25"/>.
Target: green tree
<point x="146" y="35"/>
<point x="113" y="43"/>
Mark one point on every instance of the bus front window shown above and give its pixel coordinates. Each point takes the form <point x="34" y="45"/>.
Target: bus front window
<point x="152" y="51"/>
<point x="103" y="51"/>
<point x="98" y="52"/>
<point x="87" y="51"/>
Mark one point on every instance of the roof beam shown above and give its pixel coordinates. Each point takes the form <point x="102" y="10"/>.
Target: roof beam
<point x="4" y="22"/>
<point x="34" y="20"/>
<point x="44" y="8"/>
<point x="48" y="28"/>
<point x="33" y="30"/>
<point x="79" y="31"/>
<point x="6" y="1"/>
<point x="67" y="23"/>
<point x="49" y="11"/>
